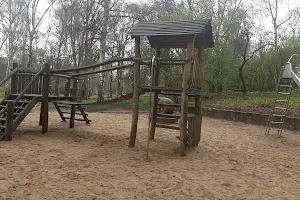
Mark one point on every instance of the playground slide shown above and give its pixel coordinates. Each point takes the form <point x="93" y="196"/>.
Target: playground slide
<point x="289" y="73"/>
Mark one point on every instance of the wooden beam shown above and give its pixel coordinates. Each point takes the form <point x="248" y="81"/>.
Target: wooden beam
<point x="91" y="66"/>
<point x="61" y="76"/>
<point x="103" y="70"/>
<point x="14" y="84"/>
<point x="198" y="106"/>
<point x="72" y="117"/>
<point x="184" y="96"/>
<point x="136" y="94"/>
<point x="155" y="99"/>
<point x="45" y="93"/>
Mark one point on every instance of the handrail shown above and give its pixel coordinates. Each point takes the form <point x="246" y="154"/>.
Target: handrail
<point x="10" y="75"/>
<point x="91" y="66"/>
<point x="103" y="70"/>
<point x="28" y="85"/>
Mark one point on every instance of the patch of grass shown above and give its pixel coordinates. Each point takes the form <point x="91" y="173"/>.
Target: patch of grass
<point x="233" y="100"/>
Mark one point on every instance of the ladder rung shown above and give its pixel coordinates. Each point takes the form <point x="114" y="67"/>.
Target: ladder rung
<point x="289" y="86"/>
<point x="2" y="119"/>
<point x="281" y="100"/>
<point x="2" y="126"/>
<point x="284" y="93"/>
<point x="273" y="122"/>
<point x="82" y="120"/>
<point x="76" y="113"/>
<point x="276" y="115"/>
<point x="167" y="126"/>
<point x="282" y="108"/>
<point x="277" y="129"/>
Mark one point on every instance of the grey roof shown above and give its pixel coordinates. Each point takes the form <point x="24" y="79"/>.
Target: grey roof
<point x="176" y="33"/>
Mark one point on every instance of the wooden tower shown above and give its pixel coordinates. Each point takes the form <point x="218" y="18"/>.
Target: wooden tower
<point x="194" y="36"/>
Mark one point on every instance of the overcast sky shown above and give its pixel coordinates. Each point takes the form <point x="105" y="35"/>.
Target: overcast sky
<point x="283" y="12"/>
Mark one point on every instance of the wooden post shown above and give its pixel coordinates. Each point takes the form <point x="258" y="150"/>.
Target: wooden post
<point x="72" y="118"/>
<point x="9" y="120"/>
<point x="184" y="97"/>
<point x="14" y="83"/>
<point x="198" y="112"/>
<point x="155" y="99"/>
<point x="45" y="93"/>
<point x="67" y="88"/>
<point x="136" y="94"/>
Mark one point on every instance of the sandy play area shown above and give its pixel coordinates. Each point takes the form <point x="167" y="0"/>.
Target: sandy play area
<point x="233" y="161"/>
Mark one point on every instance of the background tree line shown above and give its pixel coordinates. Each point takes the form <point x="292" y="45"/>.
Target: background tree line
<point x="252" y="39"/>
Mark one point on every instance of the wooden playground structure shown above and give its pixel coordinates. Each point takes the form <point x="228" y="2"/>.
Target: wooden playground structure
<point x="29" y="88"/>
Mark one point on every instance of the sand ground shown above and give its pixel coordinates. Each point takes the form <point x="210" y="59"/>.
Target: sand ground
<point x="233" y="161"/>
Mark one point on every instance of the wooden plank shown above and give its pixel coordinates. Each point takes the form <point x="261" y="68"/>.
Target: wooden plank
<point x="167" y="126"/>
<point x="45" y="102"/>
<point x="81" y="120"/>
<point x="72" y="118"/>
<point x="14" y="84"/>
<point x="136" y="94"/>
<point x="9" y="120"/>
<point x="59" y="112"/>
<point x="198" y="105"/>
<point x="184" y="97"/>
<point x="91" y="66"/>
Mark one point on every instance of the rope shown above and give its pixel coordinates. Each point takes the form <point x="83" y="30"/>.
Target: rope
<point x="150" y="107"/>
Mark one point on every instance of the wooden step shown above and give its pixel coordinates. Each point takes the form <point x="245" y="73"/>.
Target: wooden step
<point x="159" y="89"/>
<point x="177" y="94"/>
<point x="4" y="106"/>
<point x="6" y="100"/>
<point x="82" y="120"/>
<point x="288" y="86"/>
<point x="281" y="108"/>
<point x="277" y="115"/>
<point x="2" y="126"/>
<point x="2" y="119"/>
<point x="67" y="106"/>
<point x="173" y="116"/>
<point x="167" y="126"/>
<point x="67" y="102"/>
<point x="165" y="120"/>
<point x="273" y="122"/>
<point x="284" y="93"/>
<point x="174" y="105"/>
<point x="281" y="100"/>
<point x="76" y="113"/>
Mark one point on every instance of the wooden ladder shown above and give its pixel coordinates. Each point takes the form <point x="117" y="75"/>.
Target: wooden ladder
<point x="71" y="109"/>
<point x="280" y="106"/>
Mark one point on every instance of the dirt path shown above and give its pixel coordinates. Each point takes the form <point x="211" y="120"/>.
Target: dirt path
<point x="234" y="161"/>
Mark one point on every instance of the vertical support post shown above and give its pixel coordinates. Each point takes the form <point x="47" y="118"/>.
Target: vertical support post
<point x="13" y="85"/>
<point x="136" y="93"/>
<point x="67" y="88"/>
<point x="75" y="89"/>
<point x="198" y="112"/>
<point x="184" y="96"/>
<point x="45" y="93"/>
<point x="155" y="100"/>
<point x="9" y="120"/>
<point x="72" y="118"/>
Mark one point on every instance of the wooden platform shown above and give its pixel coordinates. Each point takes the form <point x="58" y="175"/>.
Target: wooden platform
<point x="170" y="91"/>
<point x="51" y="97"/>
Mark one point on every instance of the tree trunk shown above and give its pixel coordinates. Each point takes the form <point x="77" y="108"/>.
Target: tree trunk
<point x="241" y="76"/>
